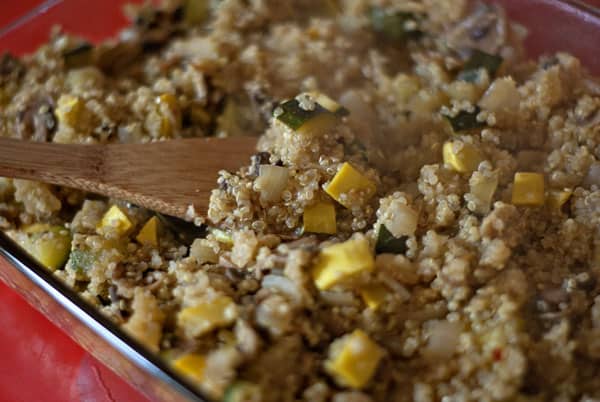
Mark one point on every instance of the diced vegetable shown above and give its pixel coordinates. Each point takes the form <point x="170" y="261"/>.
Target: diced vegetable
<point x="149" y="232"/>
<point x="346" y="180"/>
<point x="353" y="359"/>
<point x="501" y="96"/>
<point x="310" y="121"/>
<point x="204" y="317"/>
<point x="342" y="262"/>
<point x="221" y="236"/>
<point x="329" y="104"/>
<point x="402" y="220"/>
<point x="387" y="243"/>
<point x="203" y="252"/>
<point x="462" y="157"/>
<point x="79" y="56"/>
<point x="82" y="260"/>
<point x="398" y="26"/>
<point x="195" y="11"/>
<point x="191" y="365"/>
<point x="242" y="391"/>
<point x="320" y="218"/>
<point x="69" y="110"/>
<point x="478" y="60"/>
<point x="483" y="187"/>
<point x="556" y="199"/>
<point x="170" y="112"/>
<point x="271" y="182"/>
<point x="50" y="245"/>
<point x="115" y="221"/>
<point x="84" y="256"/>
<point x="373" y="295"/>
<point x="528" y="189"/>
<point x="465" y="120"/>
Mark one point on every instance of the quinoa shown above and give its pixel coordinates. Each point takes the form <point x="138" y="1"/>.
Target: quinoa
<point x="410" y="229"/>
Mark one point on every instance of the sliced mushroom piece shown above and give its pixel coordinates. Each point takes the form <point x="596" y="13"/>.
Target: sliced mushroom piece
<point x="37" y="121"/>
<point x="484" y="29"/>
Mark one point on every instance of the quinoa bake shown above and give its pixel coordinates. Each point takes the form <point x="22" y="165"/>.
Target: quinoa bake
<point x="420" y="222"/>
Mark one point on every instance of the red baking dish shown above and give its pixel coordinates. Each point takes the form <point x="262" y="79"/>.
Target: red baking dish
<point x="39" y="362"/>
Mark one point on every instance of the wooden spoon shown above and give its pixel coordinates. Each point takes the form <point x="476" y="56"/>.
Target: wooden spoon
<point x="166" y="176"/>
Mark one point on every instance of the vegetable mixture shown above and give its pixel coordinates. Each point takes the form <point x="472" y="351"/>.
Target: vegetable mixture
<point x="420" y="222"/>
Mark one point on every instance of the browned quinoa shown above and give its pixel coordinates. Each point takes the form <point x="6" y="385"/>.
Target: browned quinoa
<point x="421" y="221"/>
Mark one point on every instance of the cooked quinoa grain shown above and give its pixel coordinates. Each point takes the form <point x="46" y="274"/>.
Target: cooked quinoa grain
<point x="421" y="221"/>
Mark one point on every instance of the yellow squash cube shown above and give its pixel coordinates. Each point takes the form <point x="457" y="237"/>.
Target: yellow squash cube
<point x="353" y="359"/>
<point x="346" y="180"/>
<point x="149" y="232"/>
<point x="556" y="198"/>
<point x="318" y="125"/>
<point x="170" y="112"/>
<point x="320" y="218"/>
<point x="204" y="317"/>
<point x="461" y="157"/>
<point x="373" y="295"/>
<point x="49" y="245"/>
<point x="341" y="262"/>
<point x="528" y="189"/>
<point x="115" y="220"/>
<point x="69" y="109"/>
<point x="191" y="365"/>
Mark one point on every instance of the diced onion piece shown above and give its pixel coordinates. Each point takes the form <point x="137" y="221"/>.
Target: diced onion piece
<point x="204" y="317"/>
<point x="271" y="182"/>
<point x="353" y="359"/>
<point x="483" y="187"/>
<point x="284" y="285"/>
<point x="203" y="252"/>
<point x="148" y="234"/>
<point x="403" y="221"/>
<point x="191" y="365"/>
<point x="346" y="180"/>
<point x="462" y="157"/>
<point x="341" y="262"/>
<point x="115" y="220"/>
<point x="320" y="218"/>
<point x="528" y="189"/>
<point x="443" y="340"/>
<point x="555" y="199"/>
<point x="373" y="295"/>
<point x="501" y="96"/>
<point x="221" y="236"/>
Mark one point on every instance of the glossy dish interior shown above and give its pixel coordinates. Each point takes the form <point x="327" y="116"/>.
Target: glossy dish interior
<point x="570" y="22"/>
